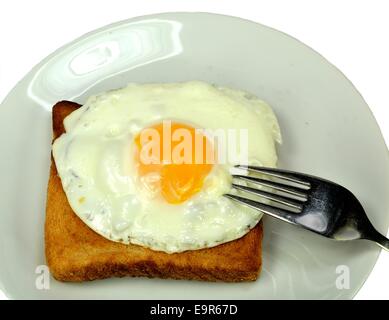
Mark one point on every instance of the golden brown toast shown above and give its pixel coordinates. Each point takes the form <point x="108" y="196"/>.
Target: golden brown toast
<point x="74" y="252"/>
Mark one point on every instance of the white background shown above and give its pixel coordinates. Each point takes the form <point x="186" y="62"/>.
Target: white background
<point x="352" y="34"/>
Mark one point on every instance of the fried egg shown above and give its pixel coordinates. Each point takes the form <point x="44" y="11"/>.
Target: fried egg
<point x="162" y="205"/>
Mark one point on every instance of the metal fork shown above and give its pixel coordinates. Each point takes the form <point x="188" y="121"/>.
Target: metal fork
<point x="318" y="205"/>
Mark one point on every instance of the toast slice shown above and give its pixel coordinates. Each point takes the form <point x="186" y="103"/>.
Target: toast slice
<point x="74" y="252"/>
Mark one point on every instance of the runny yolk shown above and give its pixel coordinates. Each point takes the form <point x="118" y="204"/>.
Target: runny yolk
<point x="176" y="179"/>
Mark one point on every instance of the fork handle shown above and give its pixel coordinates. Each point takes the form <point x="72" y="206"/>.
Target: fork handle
<point x="382" y="241"/>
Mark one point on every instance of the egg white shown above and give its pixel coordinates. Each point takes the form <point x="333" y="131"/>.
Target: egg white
<point x="95" y="162"/>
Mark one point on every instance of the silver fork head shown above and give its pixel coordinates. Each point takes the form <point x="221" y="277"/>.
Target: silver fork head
<point x="318" y="205"/>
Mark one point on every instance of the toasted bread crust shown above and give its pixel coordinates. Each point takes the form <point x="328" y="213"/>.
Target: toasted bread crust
<point x="74" y="252"/>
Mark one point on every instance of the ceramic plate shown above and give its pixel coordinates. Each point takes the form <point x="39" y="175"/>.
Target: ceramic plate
<point x="327" y="127"/>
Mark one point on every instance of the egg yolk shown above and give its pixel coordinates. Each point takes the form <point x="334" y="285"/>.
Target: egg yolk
<point x="179" y="168"/>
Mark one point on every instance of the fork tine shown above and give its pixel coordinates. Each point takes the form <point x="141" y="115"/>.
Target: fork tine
<point x="270" y="196"/>
<point x="264" y="208"/>
<point x="275" y="185"/>
<point x="278" y="173"/>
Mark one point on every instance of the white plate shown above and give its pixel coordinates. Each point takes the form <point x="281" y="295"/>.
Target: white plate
<point x="328" y="131"/>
